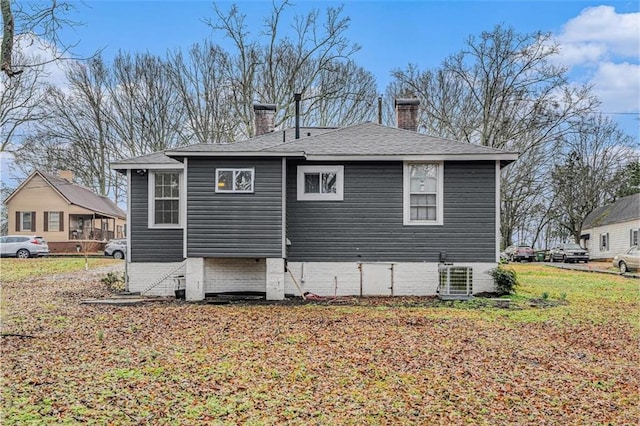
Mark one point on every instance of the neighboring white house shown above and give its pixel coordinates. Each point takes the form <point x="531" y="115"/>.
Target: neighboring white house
<point x="612" y="229"/>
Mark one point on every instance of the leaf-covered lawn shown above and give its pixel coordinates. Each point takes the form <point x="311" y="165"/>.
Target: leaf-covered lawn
<point x="399" y="361"/>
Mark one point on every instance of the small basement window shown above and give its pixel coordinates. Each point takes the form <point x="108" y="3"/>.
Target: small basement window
<point x="235" y="180"/>
<point x="320" y="183"/>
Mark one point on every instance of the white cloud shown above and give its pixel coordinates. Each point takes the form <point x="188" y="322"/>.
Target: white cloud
<point x="600" y="33"/>
<point x="34" y="50"/>
<point x="618" y="86"/>
<point x="602" y="48"/>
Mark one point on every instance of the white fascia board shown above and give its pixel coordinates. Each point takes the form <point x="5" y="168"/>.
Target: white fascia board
<point x="439" y="157"/>
<point x="234" y="154"/>
<point x="146" y="166"/>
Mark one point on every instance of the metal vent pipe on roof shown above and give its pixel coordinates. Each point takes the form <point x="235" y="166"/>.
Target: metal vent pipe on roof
<point x="297" y="97"/>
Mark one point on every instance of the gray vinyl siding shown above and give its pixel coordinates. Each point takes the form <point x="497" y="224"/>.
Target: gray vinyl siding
<point x="150" y="245"/>
<point x="234" y="225"/>
<point x="368" y="224"/>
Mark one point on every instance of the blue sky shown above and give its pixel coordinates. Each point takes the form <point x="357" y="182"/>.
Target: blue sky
<point x="598" y="36"/>
<point x="600" y="40"/>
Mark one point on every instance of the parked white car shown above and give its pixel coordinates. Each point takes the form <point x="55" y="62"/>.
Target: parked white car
<point x="23" y="246"/>
<point x="116" y="248"/>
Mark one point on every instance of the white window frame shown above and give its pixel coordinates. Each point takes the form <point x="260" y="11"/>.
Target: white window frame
<point x="604" y="242"/>
<point x="152" y="199"/>
<point x="235" y="171"/>
<point x="633" y="237"/>
<point x="22" y="227"/>
<point x="337" y="196"/>
<point x="406" y="199"/>
<point x="49" y="227"/>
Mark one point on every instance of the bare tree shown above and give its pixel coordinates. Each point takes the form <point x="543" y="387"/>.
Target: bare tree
<point x="202" y="82"/>
<point x="586" y="177"/>
<point x="20" y="97"/>
<point x="76" y="134"/>
<point x="36" y="20"/>
<point x="147" y="115"/>
<point x="314" y="61"/>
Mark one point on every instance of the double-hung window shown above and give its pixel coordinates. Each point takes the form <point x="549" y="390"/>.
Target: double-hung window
<point x="25" y="221"/>
<point x="164" y="199"/>
<point x="53" y="219"/>
<point x="320" y="183"/>
<point x="423" y="187"/>
<point x="235" y="180"/>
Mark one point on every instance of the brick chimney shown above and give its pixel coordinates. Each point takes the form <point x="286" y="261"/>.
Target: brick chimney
<point x="66" y="175"/>
<point x="407" y="113"/>
<point x="264" y="114"/>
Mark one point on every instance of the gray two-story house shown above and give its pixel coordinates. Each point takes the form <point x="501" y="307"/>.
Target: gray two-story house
<point x="360" y="210"/>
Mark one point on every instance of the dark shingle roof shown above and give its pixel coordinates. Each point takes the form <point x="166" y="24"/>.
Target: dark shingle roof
<point x="625" y="209"/>
<point x="356" y="140"/>
<point x="359" y="140"/>
<point x="84" y="197"/>
<point x="264" y="143"/>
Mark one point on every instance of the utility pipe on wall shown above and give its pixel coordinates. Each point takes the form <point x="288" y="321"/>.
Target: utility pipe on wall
<point x="297" y="97"/>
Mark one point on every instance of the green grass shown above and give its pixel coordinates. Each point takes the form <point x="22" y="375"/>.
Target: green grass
<point x="13" y="270"/>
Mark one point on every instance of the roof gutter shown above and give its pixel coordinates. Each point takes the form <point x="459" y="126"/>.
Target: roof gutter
<point x="506" y="158"/>
<point x="154" y="166"/>
<point x="234" y="154"/>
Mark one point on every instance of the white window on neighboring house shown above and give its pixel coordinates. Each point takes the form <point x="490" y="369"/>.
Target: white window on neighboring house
<point x="235" y="180"/>
<point x="633" y="240"/>
<point x="53" y="221"/>
<point x="26" y="221"/>
<point x="320" y="183"/>
<point x="604" y="242"/>
<point x="423" y="188"/>
<point x="165" y="189"/>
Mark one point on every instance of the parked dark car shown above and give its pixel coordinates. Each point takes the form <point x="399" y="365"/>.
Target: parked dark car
<point x="23" y="246"/>
<point x="628" y="261"/>
<point x="518" y="253"/>
<point x="568" y="252"/>
<point x="116" y="248"/>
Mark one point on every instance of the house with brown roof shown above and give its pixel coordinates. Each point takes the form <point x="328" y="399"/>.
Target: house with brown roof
<point x="65" y="214"/>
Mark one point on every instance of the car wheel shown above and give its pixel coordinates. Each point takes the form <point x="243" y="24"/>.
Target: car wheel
<point x="623" y="268"/>
<point x="118" y="255"/>
<point x="23" y="254"/>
